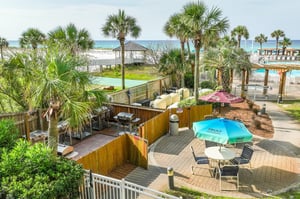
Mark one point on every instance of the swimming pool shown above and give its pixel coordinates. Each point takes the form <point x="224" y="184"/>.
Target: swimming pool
<point x="292" y="73"/>
<point x="107" y="81"/>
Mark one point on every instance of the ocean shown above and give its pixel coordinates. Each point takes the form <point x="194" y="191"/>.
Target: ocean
<point x="248" y="45"/>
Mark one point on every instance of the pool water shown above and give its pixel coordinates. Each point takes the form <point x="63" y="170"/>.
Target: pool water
<point x="292" y="73"/>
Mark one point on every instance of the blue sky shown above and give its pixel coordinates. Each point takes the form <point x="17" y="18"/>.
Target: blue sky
<point x="259" y="16"/>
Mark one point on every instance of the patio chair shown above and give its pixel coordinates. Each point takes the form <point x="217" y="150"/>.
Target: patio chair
<point x="229" y="172"/>
<point x="245" y="157"/>
<point x="199" y="159"/>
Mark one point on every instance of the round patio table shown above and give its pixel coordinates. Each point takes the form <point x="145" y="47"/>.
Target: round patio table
<point x="219" y="153"/>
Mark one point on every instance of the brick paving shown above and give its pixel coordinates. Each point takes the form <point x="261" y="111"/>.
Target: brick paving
<point x="275" y="163"/>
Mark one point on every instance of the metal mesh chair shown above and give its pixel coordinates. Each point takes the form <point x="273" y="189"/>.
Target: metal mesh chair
<point x="199" y="159"/>
<point x="229" y="171"/>
<point x="245" y="157"/>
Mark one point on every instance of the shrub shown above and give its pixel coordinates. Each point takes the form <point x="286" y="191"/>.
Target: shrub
<point x="208" y="84"/>
<point x="189" y="80"/>
<point x="9" y="134"/>
<point x="32" y="171"/>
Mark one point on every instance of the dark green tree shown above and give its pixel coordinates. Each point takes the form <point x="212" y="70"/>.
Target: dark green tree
<point x="9" y="135"/>
<point x="33" y="171"/>
<point x="171" y="64"/>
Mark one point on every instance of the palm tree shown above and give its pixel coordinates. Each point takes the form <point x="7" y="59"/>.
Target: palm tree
<point x="32" y="38"/>
<point x="16" y="78"/>
<point x="285" y="43"/>
<point x="224" y="58"/>
<point x="71" y="37"/>
<point x="261" y="39"/>
<point x="65" y="90"/>
<point x="171" y="63"/>
<point x="3" y="44"/>
<point x="175" y="26"/>
<point x="239" y="32"/>
<point x="203" y="24"/>
<point x="119" y="26"/>
<point x="242" y="67"/>
<point x="277" y="34"/>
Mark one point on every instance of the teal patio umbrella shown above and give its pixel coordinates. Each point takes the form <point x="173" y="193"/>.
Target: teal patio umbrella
<point x="222" y="131"/>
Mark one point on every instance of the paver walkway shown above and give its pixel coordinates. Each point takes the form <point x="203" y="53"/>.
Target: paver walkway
<point x="275" y="163"/>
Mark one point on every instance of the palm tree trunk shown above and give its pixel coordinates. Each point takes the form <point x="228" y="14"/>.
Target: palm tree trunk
<point x="247" y="76"/>
<point x="183" y="62"/>
<point x="188" y="47"/>
<point x="225" y="79"/>
<point x="122" y="41"/>
<point x="277" y="53"/>
<point x="1" y="48"/>
<point x="243" y="84"/>
<point x="196" y="74"/>
<point x="239" y="41"/>
<point x="260" y="52"/>
<point x="53" y="133"/>
<point x="266" y="80"/>
<point x="2" y="107"/>
<point x="219" y="76"/>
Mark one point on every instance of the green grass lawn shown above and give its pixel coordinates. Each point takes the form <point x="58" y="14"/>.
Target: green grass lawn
<point x="293" y="107"/>
<point x="131" y="72"/>
<point x="187" y="193"/>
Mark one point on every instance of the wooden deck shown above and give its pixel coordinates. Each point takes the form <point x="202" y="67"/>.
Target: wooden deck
<point x="95" y="141"/>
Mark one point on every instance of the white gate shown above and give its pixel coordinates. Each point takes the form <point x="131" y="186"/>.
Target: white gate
<point x="97" y="186"/>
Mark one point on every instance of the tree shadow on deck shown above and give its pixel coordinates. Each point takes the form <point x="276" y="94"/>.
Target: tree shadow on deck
<point x="273" y="146"/>
<point x="174" y="144"/>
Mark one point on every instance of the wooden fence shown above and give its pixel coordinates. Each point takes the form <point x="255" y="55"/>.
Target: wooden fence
<point x="144" y="113"/>
<point x="158" y="126"/>
<point x="26" y="121"/>
<point x="124" y="149"/>
<point x="144" y="91"/>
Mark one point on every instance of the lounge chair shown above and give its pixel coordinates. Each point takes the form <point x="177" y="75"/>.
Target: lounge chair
<point x="199" y="159"/>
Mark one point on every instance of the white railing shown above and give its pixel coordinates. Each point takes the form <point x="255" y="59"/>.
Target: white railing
<point x="97" y="186"/>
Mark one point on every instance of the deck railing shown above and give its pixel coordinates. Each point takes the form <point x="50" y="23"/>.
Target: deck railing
<point x="97" y="186"/>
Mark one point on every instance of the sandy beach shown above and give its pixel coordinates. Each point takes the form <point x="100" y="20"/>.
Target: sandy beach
<point x="101" y="54"/>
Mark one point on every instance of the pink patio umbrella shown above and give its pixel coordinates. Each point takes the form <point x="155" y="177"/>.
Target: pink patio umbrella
<point x="221" y="96"/>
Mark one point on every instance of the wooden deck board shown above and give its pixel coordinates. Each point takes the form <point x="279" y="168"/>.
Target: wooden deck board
<point x="95" y="141"/>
